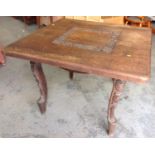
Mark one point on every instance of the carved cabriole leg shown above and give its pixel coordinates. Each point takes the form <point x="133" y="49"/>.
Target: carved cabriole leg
<point x="118" y="86"/>
<point x="40" y="78"/>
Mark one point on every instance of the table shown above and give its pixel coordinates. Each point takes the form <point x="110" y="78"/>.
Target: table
<point x="140" y="21"/>
<point x="121" y="53"/>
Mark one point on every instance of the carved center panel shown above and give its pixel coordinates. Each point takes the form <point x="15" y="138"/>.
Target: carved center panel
<point x="102" y="40"/>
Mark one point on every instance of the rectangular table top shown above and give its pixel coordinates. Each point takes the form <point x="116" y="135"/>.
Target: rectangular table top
<point x="118" y="52"/>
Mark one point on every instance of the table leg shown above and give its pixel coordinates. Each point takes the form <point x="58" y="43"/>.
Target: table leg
<point x="40" y="78"/>
<point x="71" y="74"/>
<point x="118" y="86"/>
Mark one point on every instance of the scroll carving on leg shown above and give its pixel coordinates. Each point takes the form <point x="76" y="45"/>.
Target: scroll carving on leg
<point x="118" y="86"/>
<point x="40" y="78"/>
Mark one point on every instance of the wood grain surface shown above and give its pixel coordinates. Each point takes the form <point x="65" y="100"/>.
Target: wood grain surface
<point x="129" y="58"/>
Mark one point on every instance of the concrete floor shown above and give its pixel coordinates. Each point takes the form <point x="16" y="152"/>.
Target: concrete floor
<point x="75" y="108"/>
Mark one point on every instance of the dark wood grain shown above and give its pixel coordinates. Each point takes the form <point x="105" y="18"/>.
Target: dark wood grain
<point x="129" y="59"/>
<point x="41" y="80"/>
<point x="122" y="53"/>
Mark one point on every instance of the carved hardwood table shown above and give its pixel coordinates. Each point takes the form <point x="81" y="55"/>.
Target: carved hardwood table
<point x="120" y="53"/>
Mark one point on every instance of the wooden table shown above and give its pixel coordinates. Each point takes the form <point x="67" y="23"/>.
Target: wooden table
<point x="140" y="21"/>
<point x="120" y="53"/>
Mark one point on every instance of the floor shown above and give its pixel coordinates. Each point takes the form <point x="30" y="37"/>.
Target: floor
<point x="75" y="108"/>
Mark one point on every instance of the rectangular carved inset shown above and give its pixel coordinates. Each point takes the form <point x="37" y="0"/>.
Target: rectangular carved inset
<point x="102" y="40"/>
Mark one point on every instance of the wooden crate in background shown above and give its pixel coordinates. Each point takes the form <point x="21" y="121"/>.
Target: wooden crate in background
<point x="105" y="19"/>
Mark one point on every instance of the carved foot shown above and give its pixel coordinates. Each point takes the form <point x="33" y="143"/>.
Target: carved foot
<point x="118" y="86"/>
<point x="40" y="78"/>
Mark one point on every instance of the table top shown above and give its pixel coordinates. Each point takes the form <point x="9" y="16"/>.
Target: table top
<point x="117" y="52"/>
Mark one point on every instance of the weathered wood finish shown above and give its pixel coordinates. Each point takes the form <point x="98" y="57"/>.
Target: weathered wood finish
<point x="129" y="59"/>
<point x="41" y="80"/>
<point x="124" y="54"/>
<point x="118" y="86"/>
